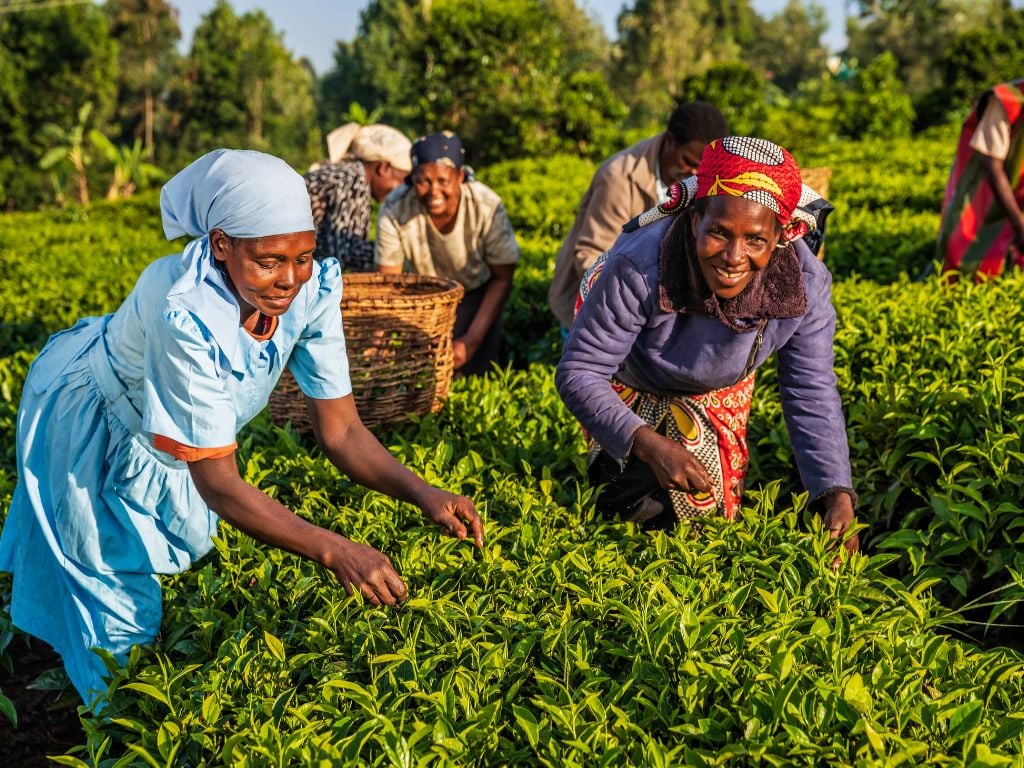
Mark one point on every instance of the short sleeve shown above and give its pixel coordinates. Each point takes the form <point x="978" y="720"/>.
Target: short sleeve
<point x="500" y="245"/>
<point x="992" y="136"/>
<point x="319" y="361"/>
<point x="185" y="394"/>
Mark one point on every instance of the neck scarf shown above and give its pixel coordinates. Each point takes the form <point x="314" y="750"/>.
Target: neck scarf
<point x="774" y="293"/>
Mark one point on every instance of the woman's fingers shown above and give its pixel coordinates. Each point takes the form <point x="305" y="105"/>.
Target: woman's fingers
<point x="457" y="515"/>
<point x="372" y="574"/>
<point x="454" y="526"/>
<point x="472" y="517"/>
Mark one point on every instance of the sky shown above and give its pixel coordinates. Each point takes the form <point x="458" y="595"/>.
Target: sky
<point x="312" y="27"/>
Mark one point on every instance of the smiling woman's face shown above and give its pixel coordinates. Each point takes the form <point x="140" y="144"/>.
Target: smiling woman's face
<point x="735" y="238"/>
<point x="438" y="186"/>
<point x="266" y="273"/>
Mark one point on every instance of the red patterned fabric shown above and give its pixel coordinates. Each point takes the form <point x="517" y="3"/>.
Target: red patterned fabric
<point x="713" y="427"/>
<point x="755" y="169"/>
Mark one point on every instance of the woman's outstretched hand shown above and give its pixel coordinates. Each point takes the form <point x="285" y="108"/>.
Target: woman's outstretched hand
<point x="456" y="514"/>
<point x="362" y="568"/>
<point x="838" y="519"/>
<point x="675" y="468"/>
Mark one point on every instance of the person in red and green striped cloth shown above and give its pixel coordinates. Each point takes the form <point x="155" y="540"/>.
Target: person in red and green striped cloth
<point x="982" y="231"/>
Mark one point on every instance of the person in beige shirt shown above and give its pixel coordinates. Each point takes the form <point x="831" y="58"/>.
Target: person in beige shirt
<point x="441" y="223"/>
<point x="627" y="184"/>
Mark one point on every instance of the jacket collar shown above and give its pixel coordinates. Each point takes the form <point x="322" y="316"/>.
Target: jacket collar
<point x="775" y="293"/>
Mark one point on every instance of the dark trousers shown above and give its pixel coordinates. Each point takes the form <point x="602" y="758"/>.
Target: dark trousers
<point x="631" y="493"/>
<point x="490" y="348"/>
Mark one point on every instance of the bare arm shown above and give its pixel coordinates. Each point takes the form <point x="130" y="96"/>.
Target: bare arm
<point x="498" y="289"/>
<point x="996" y="175"/>
<point x="353" y="449"/>
<point x="251" y="511"/>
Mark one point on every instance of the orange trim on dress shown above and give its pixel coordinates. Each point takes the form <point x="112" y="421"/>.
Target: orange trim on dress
<point x="184" y="452"/>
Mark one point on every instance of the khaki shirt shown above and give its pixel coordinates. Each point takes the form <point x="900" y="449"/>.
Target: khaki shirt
<point x="624" y="186"/>
<point x="482" y="236"/>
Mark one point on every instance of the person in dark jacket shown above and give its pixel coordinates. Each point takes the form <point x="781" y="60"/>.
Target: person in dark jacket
<point x="660" y="362"/>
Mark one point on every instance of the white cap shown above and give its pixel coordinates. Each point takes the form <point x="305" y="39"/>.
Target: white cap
<point x="370" y="143"/>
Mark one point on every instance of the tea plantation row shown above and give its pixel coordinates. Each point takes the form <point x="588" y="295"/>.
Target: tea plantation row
<point x="569" y="641"/>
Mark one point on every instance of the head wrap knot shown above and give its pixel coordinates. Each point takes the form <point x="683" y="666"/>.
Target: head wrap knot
<point x="754" y="169"/>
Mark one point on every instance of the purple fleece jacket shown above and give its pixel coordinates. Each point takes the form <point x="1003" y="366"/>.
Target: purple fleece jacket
<point x="622" y="331"/>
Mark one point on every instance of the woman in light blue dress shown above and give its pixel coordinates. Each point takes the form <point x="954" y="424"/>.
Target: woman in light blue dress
<point x="126" y="430"/>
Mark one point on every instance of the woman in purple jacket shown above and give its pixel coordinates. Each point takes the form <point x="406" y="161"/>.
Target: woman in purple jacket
<point x="692" y="298"/>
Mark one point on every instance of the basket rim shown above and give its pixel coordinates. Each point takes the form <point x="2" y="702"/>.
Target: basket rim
<point x="442" y="287"/>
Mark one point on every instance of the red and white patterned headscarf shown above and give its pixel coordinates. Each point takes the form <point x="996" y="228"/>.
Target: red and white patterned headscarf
<point x="754" y="169"/>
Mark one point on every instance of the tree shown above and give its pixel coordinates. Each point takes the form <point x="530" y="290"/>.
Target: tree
<point x="243" y="88"/>
<point x="130" y="170"/>
<point x="975" y="61"/>
<point x="788" y="48"/>
<point x="52" y="61"/>
<point x="146" y="32"/>
<point x="658" y="49"/>
<point x="70" y="148"/>
<point x="916" y="32"/>
<point x="662" y="42"/>
<point x="876" y="103"/>
<point x="736" y="89"/>
<point x="496" y="71"/>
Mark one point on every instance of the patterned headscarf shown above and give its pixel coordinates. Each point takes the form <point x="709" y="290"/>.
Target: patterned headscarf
<point x="445" y="148"/>
<point x="754" y="169"/>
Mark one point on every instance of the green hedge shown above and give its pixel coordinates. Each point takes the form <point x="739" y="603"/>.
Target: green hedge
<point x="567" y="640"/>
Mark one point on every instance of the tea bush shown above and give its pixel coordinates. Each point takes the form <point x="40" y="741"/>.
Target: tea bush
<point x="932" y="379"/>
<point x="572" y="641"/>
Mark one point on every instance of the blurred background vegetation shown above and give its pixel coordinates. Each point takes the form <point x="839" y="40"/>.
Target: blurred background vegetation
<point x="96" y="99"/>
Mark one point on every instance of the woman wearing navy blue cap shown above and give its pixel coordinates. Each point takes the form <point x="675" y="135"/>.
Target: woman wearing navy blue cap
<point x="442" y="223"/>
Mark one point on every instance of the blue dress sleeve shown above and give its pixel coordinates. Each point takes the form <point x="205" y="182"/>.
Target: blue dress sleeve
<point x="319" y="361"/>
<point x="185" y="393"/>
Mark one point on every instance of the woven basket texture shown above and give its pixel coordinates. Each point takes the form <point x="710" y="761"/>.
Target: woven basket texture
<point x="817" y="179"/>
<point x="398" y="335"/>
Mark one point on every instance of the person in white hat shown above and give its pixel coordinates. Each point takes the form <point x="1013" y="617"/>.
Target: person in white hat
<point x="363" y="161"/>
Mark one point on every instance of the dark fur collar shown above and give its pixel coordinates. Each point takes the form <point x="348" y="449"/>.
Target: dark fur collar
<point x="775" y="293"/>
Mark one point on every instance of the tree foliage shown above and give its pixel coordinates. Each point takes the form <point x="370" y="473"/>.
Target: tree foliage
<point x="788" y="47"/>
<point x="876" y="104"/>
<point x="512" y="77"/>
<point x="736" y="89"/>
<point x="976" y="60"/>
<point x="918" y="34"/>
<point x="243" y="89"/>
<point x="146" y="32"/>
<point x="52" y="62"/>
<point x="661" y="43"/>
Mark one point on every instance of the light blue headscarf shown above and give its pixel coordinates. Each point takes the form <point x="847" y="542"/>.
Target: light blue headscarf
<point x="244" y="193"/>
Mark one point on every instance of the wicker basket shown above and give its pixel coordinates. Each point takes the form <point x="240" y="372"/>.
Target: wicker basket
<point x="398" y="335"/>
<point x="817" y="179"/>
